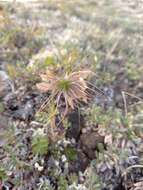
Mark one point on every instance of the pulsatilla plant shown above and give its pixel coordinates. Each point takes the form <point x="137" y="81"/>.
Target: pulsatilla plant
<point x="70" y="88"/>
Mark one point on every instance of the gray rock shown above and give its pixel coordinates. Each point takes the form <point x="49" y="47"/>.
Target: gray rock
<point x="80" y="164"/>
<point x="77" y="122"/>
<point x="89" y="142"/>
<point x="4" y="122"/>
<point x="4" y="84"/>
<point x="25" y="112"/>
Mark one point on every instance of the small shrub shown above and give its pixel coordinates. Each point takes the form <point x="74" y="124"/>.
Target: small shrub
<point x="40" y="144"/>
<point x="71" y="153"/>
<point x="71" y="87"/>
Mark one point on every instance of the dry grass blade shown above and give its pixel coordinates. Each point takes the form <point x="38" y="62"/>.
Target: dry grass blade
<point x="131" y="167"/>
<point x="44" y="87"/>
<point x="80" y="74"/>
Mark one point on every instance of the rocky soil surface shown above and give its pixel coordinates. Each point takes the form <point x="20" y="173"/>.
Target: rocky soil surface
<point x="102" y="149"/>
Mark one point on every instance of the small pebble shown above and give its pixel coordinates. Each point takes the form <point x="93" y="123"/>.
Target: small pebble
<point x="56" y="163"/>
<point x="42" y="161"/>
<point x="84" y="130"/>
<point x="73" y="141"/>
<point x="35" y="124"/>
<point x="88" y="128"/>
<point x="64" y="159"/>
<point x="38" y="167"/>
<point x="65" y="142"/>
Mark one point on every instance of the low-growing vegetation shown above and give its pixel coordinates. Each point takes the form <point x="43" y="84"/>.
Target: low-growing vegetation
<point x="71" y="103"/>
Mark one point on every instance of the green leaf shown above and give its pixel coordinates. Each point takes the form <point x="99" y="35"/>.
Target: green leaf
<point x="40" y="144"/>
<point x="1" y="107"/>
<point x="71" y="153"/>
<point x="3" y="175"/>
<point x="62" y="183"/>
<point x="49" y="61"/>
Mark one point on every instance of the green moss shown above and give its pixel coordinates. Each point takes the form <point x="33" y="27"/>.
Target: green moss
<point x="133" y="72"/>
<point x="3" y="175"/>
<point x="71" y="153"/>
<point x="40" y="144"/>
<point x="49" y="61"/>
<point x="73" y="178"/>
<point x="22" y="73"/>
<point x="12" y="71"/>
<point x="1" y="107"/>
<point x="54" y="151"/>
<point x="42" y="117"/>
<point x="133" y="69"/>
<point x="64" y="85"/>
<point x="48" y="115"/>
<point x="62" y="183"/>
<point x="98" y="115"/>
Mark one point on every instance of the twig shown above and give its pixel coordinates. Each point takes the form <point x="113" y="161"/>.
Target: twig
<point x="134" y="96"/>
<point x="125" y="103"/>
<point x="114" y="46"/>
<point x="131" y="167"/>
<point x="131" y="95"/>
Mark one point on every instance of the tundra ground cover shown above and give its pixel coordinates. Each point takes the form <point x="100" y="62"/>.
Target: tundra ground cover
<point x="97" y="145"/>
